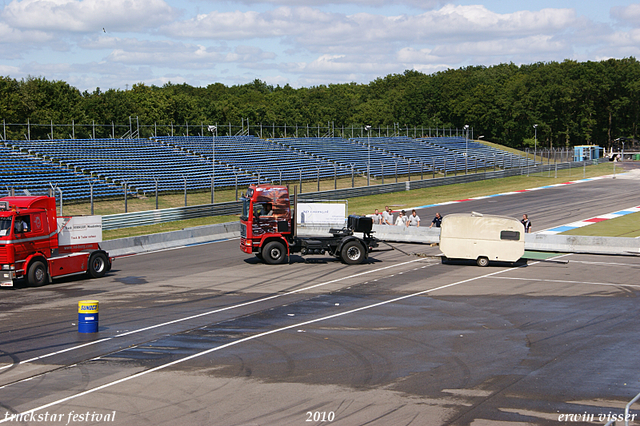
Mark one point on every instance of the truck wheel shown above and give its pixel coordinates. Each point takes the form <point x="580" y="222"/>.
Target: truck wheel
<point x="98" y="265"/>
<point x="352" y="253"/>
<point x="273" y="253"/>
<point x="37" y="274"/>
<point x="482" y="261"/>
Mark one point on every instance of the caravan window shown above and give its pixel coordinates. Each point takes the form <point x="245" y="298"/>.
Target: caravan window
<point x="510" y="235"/>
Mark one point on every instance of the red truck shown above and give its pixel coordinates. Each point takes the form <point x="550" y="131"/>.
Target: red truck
<point x="268" y="230"/>
<point x="30" y="247"/>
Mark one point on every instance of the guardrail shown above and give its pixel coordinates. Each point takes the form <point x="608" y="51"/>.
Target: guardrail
<point x="154" y="217"/>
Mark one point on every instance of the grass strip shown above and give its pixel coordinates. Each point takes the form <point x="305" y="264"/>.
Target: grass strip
<point x="623" y="226"/>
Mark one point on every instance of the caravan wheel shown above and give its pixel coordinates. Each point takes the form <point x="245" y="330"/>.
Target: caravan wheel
<point x="482" y="261"/>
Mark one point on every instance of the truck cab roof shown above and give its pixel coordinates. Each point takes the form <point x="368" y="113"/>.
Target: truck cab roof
<point x="27" y="203"/>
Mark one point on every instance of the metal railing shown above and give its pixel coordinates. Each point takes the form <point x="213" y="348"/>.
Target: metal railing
<point x="153" y="217"/>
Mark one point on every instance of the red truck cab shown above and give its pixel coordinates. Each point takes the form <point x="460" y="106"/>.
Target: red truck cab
<point x="29" y="245"/>
<point x="268" y="230"/>
<point x="266" y="217"/>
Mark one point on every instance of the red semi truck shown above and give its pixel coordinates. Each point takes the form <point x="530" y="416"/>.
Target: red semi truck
<point x="268" y="230"/>
<point x="30" y="247"/>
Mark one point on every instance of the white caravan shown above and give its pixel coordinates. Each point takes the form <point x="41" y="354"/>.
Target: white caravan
<point x="482" y="238"/>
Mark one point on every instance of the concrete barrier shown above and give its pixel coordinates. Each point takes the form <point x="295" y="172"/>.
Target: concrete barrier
<point x="165" y="240"/>
<point x="398" y="234"/>
<point x="581" y="244"/>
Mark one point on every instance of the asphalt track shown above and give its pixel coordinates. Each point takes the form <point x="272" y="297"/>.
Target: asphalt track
<point x="206" y="335"/>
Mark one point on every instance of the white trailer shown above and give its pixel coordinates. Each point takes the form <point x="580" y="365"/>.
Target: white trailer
<point x="482" y="238"/>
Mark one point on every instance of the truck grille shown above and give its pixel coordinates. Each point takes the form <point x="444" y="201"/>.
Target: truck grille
<point x="243" y="230"/>
<point x="4" y="258"/>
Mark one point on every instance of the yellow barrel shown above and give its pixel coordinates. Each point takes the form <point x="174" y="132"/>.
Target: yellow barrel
<point x="88" y="316"/>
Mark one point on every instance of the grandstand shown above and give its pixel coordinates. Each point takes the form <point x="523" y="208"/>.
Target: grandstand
<point x="27" y="174"/>
<point x="486" y="155"/>
<point x="267" y="159"/>
<point x="168" y="161"/>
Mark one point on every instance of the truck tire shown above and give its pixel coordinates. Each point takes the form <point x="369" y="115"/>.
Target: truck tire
<point x="274" y="253"/>
<point x="37" y="274"/>
<point x="98" y="265"/>
<point x="482" y="261"/>
<point x="352" y="253"/>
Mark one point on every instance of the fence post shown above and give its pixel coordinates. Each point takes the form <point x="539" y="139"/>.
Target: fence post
<point x="444" y="160"/>
<point x="382" y="171"/>
<point x="156" y="180"/>
<point x="396" y="172"/>
<point x="335" y="177"/>
<point x="433" y="168"/>
<point x="300" y="179"/>
<point x="60" y="192"/>
<point x="91" y="195"/>
<point x="352" y="178"/>
<point x="185" y="190"/>
<point x="409" y="170"/>
<point x="126" y="208"/>
<point x="318" y="167"/>
<point x="236" y="176"/>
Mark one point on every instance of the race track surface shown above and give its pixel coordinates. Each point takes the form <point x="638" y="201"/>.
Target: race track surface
<point x="207" y="335"/>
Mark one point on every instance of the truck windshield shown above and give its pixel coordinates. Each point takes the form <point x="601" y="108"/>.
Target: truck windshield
<point x="5" y="226"/>
<point x="246" y="205"/>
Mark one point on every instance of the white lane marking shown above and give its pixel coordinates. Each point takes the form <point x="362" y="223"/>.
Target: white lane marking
<point x="567" y="282"/>
<point x="253" y="337"/>
<point x="215" y="311"/>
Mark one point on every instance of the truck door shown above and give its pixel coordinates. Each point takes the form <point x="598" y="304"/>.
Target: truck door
<point x="24" y="246"/>
<point x="271" y="214"/>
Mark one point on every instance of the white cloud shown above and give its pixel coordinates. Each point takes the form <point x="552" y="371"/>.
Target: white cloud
<point x="8" y="70"/>
<point x="629" y="15"/>
<point x="171" y="54"/>
<point x="87" y="15"/>
<point x="420" y="4"/>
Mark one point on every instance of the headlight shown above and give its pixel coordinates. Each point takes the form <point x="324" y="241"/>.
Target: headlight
<point x="7" y="267"/>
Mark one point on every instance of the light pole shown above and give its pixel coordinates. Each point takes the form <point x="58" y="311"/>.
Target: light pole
<point x="466" y="148"/>
<point x="368" y="129"/>
<point x="535" y="142"/>
<point x="214" y="131"/>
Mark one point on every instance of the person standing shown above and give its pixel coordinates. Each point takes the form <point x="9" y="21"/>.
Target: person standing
<point x="414" y="219"/>
<point x="526" y="223"/>
<point x="402" y="219"/>
<point x="437" y="221"/>
<point x="387" y="216"/>
<point x="377" y="218"/>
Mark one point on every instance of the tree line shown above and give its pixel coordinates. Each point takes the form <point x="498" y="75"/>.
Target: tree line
<point x="571" y="103"/>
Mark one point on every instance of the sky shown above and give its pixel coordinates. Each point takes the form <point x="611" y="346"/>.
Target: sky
<point x="303" y="43"/>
